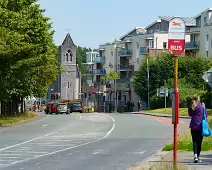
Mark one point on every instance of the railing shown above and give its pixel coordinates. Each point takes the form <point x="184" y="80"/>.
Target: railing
<point x="96" y="72"/>
<point x="144" y="50"/>
<point x="192" y="45"/>
<point x="126" y="67"/>
<point x="126" y="52"/>
<point x="100" y="60"/>
<point x="123" y="80"/>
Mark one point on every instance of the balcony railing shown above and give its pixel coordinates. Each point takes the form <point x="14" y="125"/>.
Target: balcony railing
<point x="124" y="53"/>
<point x="126" y="67"/>
<point x="144" y="50"/>
<point x="100" y="60"/>
<point x="195" y="45"/>
<point x="96" y="72"/>
<point x="123" y="80"/>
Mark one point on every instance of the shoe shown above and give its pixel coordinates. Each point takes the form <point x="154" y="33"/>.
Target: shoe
<point x="199" y="160"/>
<point x="196" y="160"/>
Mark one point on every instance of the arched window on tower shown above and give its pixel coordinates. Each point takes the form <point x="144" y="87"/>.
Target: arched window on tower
<point x="69" y="56"/>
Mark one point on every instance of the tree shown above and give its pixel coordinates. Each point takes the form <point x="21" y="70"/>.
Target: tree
<point x="162" y="69"/>
<point x="110" y="77"/>
<point x="28" y="55"/>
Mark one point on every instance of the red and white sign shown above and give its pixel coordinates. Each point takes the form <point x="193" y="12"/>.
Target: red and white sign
<point x="176" y="42"/>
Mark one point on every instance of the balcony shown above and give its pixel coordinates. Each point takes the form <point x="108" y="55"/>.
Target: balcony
<point x="123" y="80"/>
<point x="95" y="72"/>
<point x="124" y="53"/>
<point x="144" y="51"/>
<point x="126" y="67"/>
<point x="100" y="60"/>
<point x="195" y="45"/>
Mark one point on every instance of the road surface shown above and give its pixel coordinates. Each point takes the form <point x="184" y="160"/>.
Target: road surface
<point x="82" y="141"/>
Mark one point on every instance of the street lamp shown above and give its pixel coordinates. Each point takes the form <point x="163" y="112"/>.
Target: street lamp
<point x="115" y="70"/>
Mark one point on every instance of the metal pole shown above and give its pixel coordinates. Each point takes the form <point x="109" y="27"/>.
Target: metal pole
<point x="148" y="85"/>
<point x="156" y="54"/>
<point x="165" y="99"/>
<point x="115" y="69"/>
<point x="176" y="114"/>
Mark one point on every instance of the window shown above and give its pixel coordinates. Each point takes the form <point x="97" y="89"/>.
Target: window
<point x="111" y="53"/>
<point x="68" y="56"/>
<point x="206" y="53"/>
<point x="205" y="20"/>
<point x="69" y="84"/>
<point x="151" y="43"/>
<point x="164" y="45"/>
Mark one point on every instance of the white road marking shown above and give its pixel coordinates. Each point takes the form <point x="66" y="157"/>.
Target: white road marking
<point x="34" y="139"/>
<point x="136" y="153"/>
<point x="45" y="125"/>
<point x="77" y="143"/>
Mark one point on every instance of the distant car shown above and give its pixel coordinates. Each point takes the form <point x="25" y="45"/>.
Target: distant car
<point x="62" y="108"/>
<point x="53" y="108"/>
<point x="76" y="107"/>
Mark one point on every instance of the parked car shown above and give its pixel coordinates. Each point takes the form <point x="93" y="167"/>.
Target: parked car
<point x="53" y="108"/>
<point x="62" y="108"/>
<point x="76" y="107"/>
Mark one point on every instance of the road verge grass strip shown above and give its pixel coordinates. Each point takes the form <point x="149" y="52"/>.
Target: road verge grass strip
<point x="24" y="117"/>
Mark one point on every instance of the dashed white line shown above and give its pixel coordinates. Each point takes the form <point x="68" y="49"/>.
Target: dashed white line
<point x="34" y="138"/>
<point x="65" y="149"/>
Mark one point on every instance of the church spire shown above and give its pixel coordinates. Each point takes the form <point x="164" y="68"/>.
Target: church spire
<point x="68" y="40"/>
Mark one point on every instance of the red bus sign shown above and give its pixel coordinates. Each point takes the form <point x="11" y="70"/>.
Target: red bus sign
<point x="176" y="42"/>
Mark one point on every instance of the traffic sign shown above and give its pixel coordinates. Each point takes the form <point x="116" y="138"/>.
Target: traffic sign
<point x="176" y="42"/>
<point x="208" y="77"/>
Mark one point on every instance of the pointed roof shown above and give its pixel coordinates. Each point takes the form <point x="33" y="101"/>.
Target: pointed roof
<point x="68" y="40"/>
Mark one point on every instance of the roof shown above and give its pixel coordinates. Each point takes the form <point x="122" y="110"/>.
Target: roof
<point x="189" y="21"/>
<point x="68" y="40"/>
<point x="134" y="29"/>
<point x="208" y="9"/>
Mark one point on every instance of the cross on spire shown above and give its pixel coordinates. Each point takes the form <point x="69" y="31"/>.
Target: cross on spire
<point x="68" y="29"/>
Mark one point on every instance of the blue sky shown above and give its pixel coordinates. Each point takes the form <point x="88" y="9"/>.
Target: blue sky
<point x="93" y="22"/>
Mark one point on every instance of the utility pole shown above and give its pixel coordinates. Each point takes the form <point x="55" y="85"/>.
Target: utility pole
<point x="115" y="69"/>
<point x="148" y="84"/>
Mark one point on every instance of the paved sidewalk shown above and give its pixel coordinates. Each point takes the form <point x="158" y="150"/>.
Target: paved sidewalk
<point x="164" y="160"/>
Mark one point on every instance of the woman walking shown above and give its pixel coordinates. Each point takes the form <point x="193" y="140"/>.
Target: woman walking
<point x="196" y="112"/>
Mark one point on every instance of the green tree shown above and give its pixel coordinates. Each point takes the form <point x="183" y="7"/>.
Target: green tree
<point x="110" y="77"/>
<point x="161" y="69"/>
<point x="28" y="55"/>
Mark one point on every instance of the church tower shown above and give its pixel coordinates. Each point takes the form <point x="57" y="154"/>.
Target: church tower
<point x="68" y="85"/>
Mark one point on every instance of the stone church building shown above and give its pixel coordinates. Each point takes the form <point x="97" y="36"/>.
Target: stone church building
<point x="68" y="85"/>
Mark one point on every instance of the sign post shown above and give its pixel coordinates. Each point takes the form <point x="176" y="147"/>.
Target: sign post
<point x="176" y="46"/>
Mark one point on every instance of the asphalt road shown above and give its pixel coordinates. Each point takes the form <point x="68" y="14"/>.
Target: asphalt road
<point x="82" y="142"/>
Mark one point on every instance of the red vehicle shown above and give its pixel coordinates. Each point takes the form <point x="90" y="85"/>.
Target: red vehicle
<point x="53" y="108"/>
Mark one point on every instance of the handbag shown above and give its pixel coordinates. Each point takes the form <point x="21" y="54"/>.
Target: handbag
<point x="206" y="131"/>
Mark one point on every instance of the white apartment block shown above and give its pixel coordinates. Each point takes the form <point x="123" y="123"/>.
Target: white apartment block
<point x="127" y="55"/>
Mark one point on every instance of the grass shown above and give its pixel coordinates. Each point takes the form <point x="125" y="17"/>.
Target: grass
<point x="26" y="116"/>
<point x="185" y="142"/>
<point x="183" y="111"/>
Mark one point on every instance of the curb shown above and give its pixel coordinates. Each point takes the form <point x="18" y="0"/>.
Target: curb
<point x="161" y="115"/>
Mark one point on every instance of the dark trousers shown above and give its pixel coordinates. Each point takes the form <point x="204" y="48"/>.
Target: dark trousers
<point x="197" y="141"/>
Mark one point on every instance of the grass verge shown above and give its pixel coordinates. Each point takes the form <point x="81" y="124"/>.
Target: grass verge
<point x="183" y="111"/>
<point x="26" y="116"/>
<point x="185" y="142"/>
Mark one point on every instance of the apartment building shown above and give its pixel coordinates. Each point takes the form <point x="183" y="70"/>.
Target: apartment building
<point x="201" y="34"/>
<point x="127" y="55"/>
